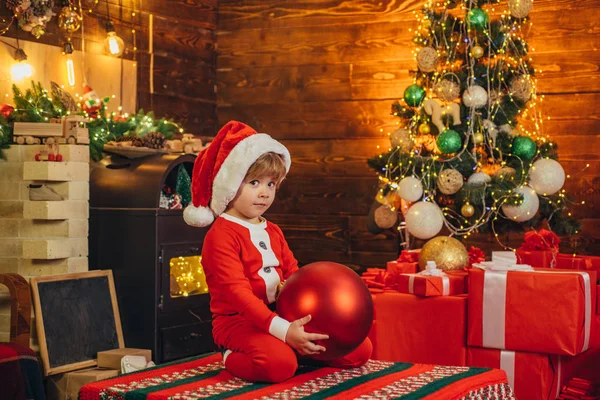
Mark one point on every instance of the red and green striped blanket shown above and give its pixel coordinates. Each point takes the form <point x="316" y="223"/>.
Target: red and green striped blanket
<point x="205" y="378"/>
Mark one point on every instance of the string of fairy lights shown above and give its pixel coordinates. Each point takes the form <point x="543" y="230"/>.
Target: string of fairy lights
<point x="504" y="58"/>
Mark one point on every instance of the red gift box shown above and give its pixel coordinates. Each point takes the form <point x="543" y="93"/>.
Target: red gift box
<point x="539" y="249"/>
<point x="407" y="263"/>
<point x="569" y="261"/>
<point x="429" y="330"/>
<point x="537" y="258"/>
<point x="397" y="267"/>
<point x="427" y="285"/>
<point x="531" y="375"/>
<point x="542" y="311"/>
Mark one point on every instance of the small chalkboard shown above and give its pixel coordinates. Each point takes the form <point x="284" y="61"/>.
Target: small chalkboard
<point x="76" y="317"/>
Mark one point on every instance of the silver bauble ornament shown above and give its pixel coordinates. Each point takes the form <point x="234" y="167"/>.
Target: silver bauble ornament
<point x="424" y="220"/>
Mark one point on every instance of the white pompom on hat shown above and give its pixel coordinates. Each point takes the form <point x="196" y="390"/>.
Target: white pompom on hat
<point x="220" y="169"/>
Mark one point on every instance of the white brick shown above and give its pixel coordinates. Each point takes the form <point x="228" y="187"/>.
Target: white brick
<point x="46" y="249"/>
<point x="12" y="172"/>
<point x="53" y="210"/>
<point x="79" y="228"/>
<point x="11" y="247"/>
<point x="73" y="190"/>
<point x="56" y="171"/>
<point x="13" y="154"/>
<point x="78" y="264"/>
<point x="37" y="228"/>
<point x="11" y="209"/>
<point x="9" y="228"/>
<point x="9" y="265"/>
<point x="9" y="190"/>
<point x="33" y="267"/>
<point x="79" y="247"/>
<point x="69" y="152"/>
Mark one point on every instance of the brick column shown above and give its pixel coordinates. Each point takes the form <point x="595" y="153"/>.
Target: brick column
<point x="42" y="237"/>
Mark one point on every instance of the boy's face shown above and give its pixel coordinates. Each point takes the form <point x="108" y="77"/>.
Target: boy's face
<point x="253" y="198"/>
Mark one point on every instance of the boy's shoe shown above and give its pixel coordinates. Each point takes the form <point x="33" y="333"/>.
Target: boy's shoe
<point x="226" y="353"/>
<point x="43" y="193"/>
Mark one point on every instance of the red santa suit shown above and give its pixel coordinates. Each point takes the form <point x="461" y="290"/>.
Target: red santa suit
<point x="244" y="264"/>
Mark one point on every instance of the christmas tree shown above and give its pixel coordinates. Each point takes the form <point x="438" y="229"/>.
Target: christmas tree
<point x="470" y="153"/>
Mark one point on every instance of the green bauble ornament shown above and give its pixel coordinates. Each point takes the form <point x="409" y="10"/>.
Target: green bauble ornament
<point x="478" y="18"/>
<point x="449" y="141"/>
<point x="414" y="95"/>
<point x="524" y="147"/>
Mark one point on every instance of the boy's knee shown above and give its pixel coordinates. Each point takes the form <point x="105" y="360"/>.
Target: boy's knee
<point x="281" y="367"/>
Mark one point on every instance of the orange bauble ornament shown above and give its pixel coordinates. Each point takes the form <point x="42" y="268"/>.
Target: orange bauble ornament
<point x="338" y="301"/>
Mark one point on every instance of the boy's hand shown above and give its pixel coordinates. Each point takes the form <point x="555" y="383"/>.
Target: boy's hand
<point x="301" y="341"/>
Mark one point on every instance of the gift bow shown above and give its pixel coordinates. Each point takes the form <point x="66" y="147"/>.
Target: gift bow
<point x="475" y="255"/>
<point x="408" y="256"/>
<point x="540" y="240"/>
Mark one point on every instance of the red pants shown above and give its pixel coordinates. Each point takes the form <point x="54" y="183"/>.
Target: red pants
<point x="260" y="357"/>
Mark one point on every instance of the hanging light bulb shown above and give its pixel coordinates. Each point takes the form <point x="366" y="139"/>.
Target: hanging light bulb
<point x="113" y="44"/>
<point x="21" y="69"/>
<point x="68" y="52"/>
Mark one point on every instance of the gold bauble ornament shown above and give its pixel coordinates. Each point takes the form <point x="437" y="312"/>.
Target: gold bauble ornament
<point x="467" y="210"/>
<point x="448" y="254"/>
<point x="385" y="217"/>
<point x="449" y="181"/>
<point x="69" y="20"/>
<point x="477" y="51"/>
<point x="424" y="129"/>
<point x="426" y="23"/>
<point x="478" y="138"/>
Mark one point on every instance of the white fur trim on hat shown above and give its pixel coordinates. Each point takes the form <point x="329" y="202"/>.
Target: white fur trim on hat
<point x="230" y="176"/>
<point x="198" y="216"/>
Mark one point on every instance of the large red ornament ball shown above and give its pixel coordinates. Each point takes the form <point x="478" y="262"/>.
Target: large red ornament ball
<point x="6" y="110"/>
<point x="338" y="301"/>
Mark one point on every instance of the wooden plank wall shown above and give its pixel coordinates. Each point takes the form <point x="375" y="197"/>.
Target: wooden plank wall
<point x="320" y="75"/>
<point x="183" y="50"/>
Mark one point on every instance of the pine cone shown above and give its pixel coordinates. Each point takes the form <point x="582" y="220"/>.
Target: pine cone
<point x="135" y="141"/>
<point x="154" y="140"/>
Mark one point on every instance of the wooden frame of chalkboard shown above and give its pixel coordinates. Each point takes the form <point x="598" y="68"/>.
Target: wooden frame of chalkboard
<point x="77" y="316"/>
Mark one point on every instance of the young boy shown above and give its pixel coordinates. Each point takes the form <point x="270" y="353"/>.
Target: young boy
<point x="246" y="258"/>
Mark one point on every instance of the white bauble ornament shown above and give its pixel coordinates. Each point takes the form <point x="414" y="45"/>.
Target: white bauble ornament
<point x="424" y="220"/>
<point x="479" y="178"/>
<point x="385" y="217"/>
<point x="475" y="97"/>
<point x="546" y="176"/>
<point x="449" y="181"/>
<point x="400" y="138"/>
<point x="526" y="210"/>
<point x="519" y="8"/>
<point x="410" y="189"/>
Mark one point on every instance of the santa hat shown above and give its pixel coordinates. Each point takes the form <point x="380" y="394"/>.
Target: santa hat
<point x="220" y="169"/>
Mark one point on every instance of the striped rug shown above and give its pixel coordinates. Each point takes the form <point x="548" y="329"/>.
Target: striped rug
<point x="204" y="378"/>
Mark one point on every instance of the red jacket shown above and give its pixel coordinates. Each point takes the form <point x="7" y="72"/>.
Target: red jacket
<point x="244" y="263"/>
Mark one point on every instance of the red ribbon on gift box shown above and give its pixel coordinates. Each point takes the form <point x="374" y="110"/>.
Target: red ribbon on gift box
<point x="409" y="256"/>
<point x="476" y="255"/>
<point x="540" y="240"/>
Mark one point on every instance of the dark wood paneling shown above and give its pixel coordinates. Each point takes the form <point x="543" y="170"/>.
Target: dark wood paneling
<point x="321" y="76"/>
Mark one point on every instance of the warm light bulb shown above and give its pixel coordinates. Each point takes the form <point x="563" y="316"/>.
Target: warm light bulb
<point x="70" y="71"/>
<point x="113" y="44"/>
<point x="20" y="71"/>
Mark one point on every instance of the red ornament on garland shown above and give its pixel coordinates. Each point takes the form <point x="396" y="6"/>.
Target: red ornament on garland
<point x="338" y="301"/>
<point x="6" y="110"/>
<point x="91" y="101"/>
